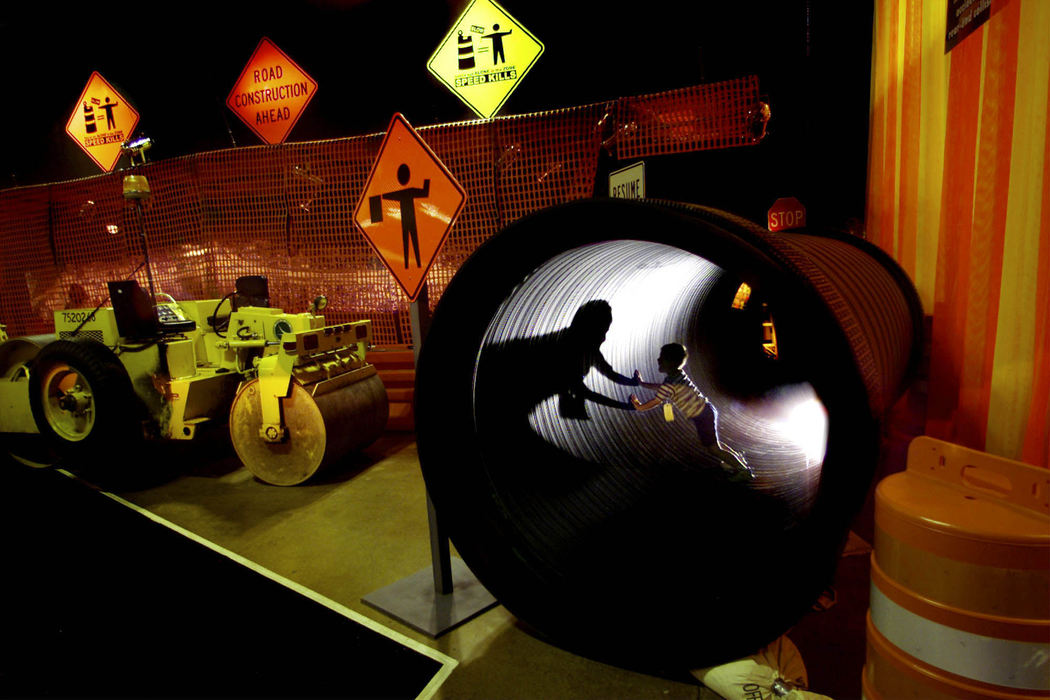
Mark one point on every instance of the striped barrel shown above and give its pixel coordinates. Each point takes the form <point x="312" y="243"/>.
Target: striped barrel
<point x="960" y="578"/>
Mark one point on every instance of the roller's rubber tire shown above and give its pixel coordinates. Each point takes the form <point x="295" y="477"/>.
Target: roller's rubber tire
<point x="107" y="414"/>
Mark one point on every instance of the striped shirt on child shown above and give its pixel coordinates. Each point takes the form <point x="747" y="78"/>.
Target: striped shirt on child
<point x="679" y="390"/>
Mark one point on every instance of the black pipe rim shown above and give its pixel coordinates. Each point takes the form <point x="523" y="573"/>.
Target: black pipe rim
<point x="444" y="413"/>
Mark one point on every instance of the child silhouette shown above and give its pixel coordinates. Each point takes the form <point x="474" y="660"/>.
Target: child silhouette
<point x="677" y="391"/>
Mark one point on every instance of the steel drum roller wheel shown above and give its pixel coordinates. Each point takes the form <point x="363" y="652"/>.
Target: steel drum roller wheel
<point x="319" y="429"/>
<point x="82" y="399"/>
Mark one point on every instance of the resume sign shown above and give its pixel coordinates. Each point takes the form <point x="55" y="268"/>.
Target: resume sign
<point x="629" y="182"/>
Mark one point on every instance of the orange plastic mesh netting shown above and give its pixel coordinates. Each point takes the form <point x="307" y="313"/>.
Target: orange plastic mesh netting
<point x="286" y="211"/>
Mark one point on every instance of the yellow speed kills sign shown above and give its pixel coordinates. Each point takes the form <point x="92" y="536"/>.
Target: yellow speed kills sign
<point x="485" y="56"/>
<point x="101" y="121"/>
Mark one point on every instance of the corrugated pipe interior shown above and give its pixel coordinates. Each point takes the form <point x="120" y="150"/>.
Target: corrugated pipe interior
<point x="635" y="536"/>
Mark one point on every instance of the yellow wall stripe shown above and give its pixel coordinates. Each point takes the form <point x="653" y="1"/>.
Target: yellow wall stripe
<point x="911" y="105"/>
<point x="1014" y="367"/>
<point x="933" y="117"/>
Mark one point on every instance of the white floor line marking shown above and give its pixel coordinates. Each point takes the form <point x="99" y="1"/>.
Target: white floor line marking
<point x="447" y="662"/>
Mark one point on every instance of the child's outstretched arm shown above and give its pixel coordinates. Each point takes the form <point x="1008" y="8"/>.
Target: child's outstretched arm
<point x="638" y="382"/>
<point x="651" y="403"/>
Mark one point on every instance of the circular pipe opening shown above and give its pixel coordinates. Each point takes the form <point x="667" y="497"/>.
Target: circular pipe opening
<point x="616" y="532"/>
<point x="558" y="358"/>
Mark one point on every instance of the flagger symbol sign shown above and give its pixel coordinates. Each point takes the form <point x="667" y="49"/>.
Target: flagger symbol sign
<point x="408" y="206"/>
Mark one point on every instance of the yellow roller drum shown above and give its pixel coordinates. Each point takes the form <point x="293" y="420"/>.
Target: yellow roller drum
<point x="323" y="423"/>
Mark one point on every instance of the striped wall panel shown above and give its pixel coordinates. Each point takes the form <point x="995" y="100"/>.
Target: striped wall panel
<point x="958" y="175"/>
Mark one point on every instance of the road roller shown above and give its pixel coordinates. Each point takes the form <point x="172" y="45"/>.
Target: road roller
<point x="297" y="394"/>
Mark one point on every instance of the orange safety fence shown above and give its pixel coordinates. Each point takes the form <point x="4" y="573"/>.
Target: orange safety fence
<point x="286" y="211"/>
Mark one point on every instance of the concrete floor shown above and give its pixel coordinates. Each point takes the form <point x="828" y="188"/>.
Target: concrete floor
<point x="362" y="525"/>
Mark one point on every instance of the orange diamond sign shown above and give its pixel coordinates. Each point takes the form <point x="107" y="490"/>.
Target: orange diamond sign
<point x="408" y="206"/>
<point x="101" y="122"/>
<point x="272" y="93"/>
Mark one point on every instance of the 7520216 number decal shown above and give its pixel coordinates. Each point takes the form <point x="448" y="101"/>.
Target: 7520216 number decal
<point x="77" y="316"/>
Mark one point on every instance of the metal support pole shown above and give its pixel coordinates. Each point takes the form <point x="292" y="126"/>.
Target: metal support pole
<point x="433" y="600"/>
<point x="419" y="317"/>
<point x="440" y="555"/>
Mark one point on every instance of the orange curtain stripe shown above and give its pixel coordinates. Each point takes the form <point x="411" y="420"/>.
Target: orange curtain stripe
<point x="953" y="251"/>
<point x="883" y="115"/>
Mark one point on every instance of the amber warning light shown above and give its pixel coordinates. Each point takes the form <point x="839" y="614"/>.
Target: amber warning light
<point x="271" y="93"/>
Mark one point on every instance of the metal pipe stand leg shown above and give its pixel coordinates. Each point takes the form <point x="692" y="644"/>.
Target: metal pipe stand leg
<point x="446" y="594"/>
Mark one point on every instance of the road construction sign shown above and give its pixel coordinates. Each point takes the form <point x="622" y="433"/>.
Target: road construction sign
<point x="271" y="93"/>
<point x="485" y="56"/>
<point x="409" y="204"/>
<point x="101" y="122"/>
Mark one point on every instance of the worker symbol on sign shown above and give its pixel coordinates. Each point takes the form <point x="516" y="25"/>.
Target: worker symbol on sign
<point x="107" y="107"/>
<point x="406" y="197"/>
<point x="497" y="43"/>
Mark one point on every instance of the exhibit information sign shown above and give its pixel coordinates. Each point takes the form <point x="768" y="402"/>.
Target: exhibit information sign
<point x="271" y="93"/>
<point x="629" y="182"/>
<point x="101" y="122"/>
<point x="964" y="16"/>
<point x="786" y="213"/>
<point x="408" y="206"/>
<point x="485" y="56"/>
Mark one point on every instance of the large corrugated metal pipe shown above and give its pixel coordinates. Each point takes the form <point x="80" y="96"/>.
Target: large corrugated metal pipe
<point x="659" y="537"/>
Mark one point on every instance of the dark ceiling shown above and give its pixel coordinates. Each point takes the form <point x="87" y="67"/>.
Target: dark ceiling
<point x="177" y="62"/>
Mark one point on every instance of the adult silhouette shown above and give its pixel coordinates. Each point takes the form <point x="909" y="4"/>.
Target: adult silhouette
<point x="517" y="375"/>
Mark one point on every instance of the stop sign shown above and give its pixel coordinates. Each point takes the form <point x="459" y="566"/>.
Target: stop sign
<point x="786" y="213"/>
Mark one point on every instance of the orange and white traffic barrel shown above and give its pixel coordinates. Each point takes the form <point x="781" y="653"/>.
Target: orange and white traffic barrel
<point x="960" y="578"/>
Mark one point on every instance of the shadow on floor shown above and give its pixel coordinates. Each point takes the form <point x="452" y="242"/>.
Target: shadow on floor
<point x="100" y="601"/>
